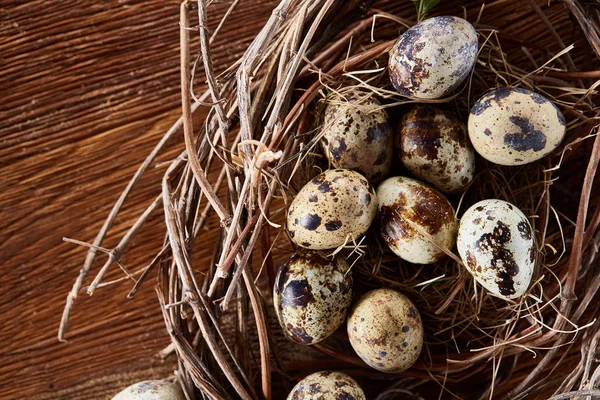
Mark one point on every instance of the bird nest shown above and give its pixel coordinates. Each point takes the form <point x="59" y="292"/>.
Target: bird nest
<point x="258" y="144"/>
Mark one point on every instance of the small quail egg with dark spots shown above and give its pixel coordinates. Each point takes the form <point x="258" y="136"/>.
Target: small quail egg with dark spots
<point x="385" y="330"/>
<point x="415" y="220"/>
<point x="333" y="209"/>
<point x="433" y="58"/>
<point x="312" y="294"/>
<point x="357" y="135"/>
<point x="514" y="126"/>
<point x="327" y="385"/>
<point x="497" y="245"/>
<point x="151" y="390"/>
<point x="433" y="145"/>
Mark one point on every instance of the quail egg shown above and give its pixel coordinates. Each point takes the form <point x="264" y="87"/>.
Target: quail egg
<point x="514" y="126"/>
<point x="433" y="145"/>
<point x="433" y="58"/>
<point x="407" y="209"/>
<point x="334" y="208"/>
<point x="327" y="385"/>
<point x="151" y="390"/>
<point x="357" y="135"/>
<point x="385" y="330"/>
<point x="497" y="245"/>
<point x="312" y="294"/>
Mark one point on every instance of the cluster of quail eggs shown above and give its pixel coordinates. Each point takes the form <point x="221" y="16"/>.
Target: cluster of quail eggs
<point x="313" y="293"/>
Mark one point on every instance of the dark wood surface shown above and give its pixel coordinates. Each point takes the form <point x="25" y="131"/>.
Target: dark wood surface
<point x="88" y="88"/>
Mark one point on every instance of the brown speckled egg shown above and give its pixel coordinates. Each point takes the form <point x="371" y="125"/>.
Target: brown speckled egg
<point x="497" y="245"/>
<point x="385" y="330"/>
<point x="311" y="295"/>
<point x="433" y="58"/>
<point x="327" y="385"/>
<point x="407" y="209"/>
<point x="151" y="390"/>
<point x="514" y="126"/>
<point x="433" y="145"/>
<point x="334" y="208"/>
<point x="357" y="135"/>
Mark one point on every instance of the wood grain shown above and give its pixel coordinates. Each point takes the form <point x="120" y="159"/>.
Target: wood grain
<point x="87" y="90"/>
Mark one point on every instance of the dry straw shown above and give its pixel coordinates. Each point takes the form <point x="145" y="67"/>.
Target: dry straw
<point x="260" y="135"/>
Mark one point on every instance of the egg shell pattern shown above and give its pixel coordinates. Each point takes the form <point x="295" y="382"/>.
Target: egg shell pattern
<point x="311" y="295"/>
<point x="357" y="135"/>
<point x="334" y="208"/>
<point x="385" y="330"/>
<point x="497" y="245"/>
<point x="327" y="385"/>
<point x="407" y="206"/>
<point x="433" y="145"/>
<point x="514" y="126"/>
<point x="433" y="58"/>
<point x="151" y="390"/>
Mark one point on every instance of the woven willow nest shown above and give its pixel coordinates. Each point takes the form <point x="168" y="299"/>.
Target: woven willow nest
<point x="260" y="143"/>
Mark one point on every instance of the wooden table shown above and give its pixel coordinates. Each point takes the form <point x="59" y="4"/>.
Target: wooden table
<point x="88" y="88"/>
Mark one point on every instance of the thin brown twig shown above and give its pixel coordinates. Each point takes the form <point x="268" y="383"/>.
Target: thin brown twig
<point x="263" y="337"/>
<point x="229" y="11"/>
<point x="91" y="255"/>
<point x="115" y="254"/>
<point x="237" y="246"/>
<point x="155" y="261"/>
<point x="574" y="75"/>
<point x="187" y="119"/>
<point x="223" y="121"/>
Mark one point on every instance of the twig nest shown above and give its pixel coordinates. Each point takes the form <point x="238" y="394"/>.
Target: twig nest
<point x="335" y="208"/>
<point x="433" y="145"/>
<point x="496" y="243"/>
<point x="327" y="385"/>
<point x="433" y="58"/>
<point x="385" y="330"/>
<point x="311" y="295"/>
<point x="357" y="135"/>
<point x="415" y="220"/>
<point x="151" y="390"/>
<point x="514" y="126"/>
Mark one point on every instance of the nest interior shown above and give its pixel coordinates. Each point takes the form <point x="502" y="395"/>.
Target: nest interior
<point x="246" y="158"/>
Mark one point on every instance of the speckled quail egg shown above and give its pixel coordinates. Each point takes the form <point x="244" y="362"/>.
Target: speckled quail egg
<point x="496" y="243"/>
<point x="407" y="209"/>
<point x="357" y="135"/>
<point x="433" y="58"/>
<point x="385" y="330"/>
<point x="311" y="295"/>
<point x="327" y="385"/>
<point x="151" y="390"/>
<point x="334" y="208"/>
<point x="433" y="145"/>
<point x="514" y="126"/>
